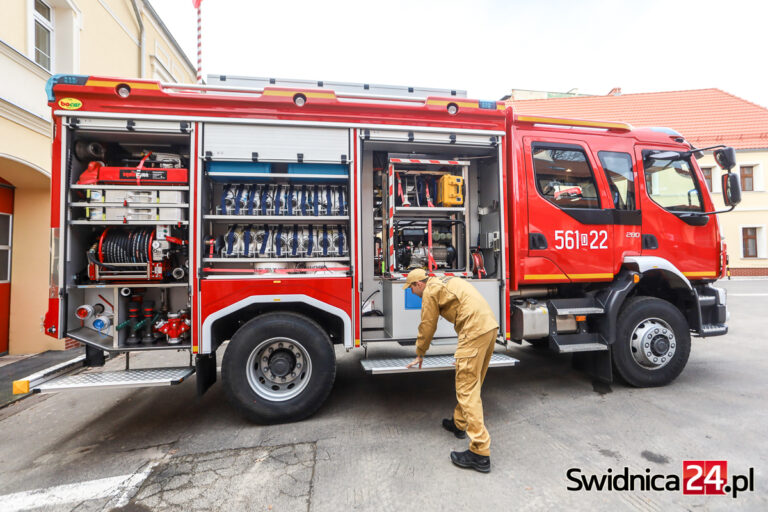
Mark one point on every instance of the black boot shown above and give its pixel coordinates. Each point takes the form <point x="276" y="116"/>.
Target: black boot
<point x="450" y="426"/>
<point x="468" y="459"/>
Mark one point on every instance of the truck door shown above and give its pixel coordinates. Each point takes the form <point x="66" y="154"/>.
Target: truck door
<point x="570" y="220"/>
<point x="671" y="229"/>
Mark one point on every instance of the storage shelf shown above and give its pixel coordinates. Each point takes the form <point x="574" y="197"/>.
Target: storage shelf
<point x="129" y="187"/>
<point x="128" y="223"/>
<point x="128" y="205"/>
<point x="93" y="338"/>
<point x="269" y="175"/>
<point x="429" y="209"/>
<point x="235" y="259"/>
<point x="131" y="285"/>
<point x="278" y="218"/>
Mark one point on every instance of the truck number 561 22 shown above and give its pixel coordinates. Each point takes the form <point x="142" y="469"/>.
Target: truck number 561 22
<point x="575" y="239"/>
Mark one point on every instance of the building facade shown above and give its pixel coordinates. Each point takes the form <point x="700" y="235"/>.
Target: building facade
<point x="39" y="38"/>
<point x="705" y="117"/>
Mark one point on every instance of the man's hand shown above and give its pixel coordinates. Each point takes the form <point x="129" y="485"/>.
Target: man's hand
<point x="416" y="361"/>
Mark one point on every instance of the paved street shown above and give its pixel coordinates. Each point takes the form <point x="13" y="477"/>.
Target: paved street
<point x="377" y="443"/>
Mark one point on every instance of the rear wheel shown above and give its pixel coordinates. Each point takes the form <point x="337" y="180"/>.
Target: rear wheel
<point x="652" y="343"/>
<point x="279" y="367"/>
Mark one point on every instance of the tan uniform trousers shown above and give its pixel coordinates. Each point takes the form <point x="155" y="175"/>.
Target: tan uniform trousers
<point x="472" y="359"/>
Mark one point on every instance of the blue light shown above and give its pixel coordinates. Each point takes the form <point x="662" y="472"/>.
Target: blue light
<point x="63" y="79"/>
<point x="489" y="105"/>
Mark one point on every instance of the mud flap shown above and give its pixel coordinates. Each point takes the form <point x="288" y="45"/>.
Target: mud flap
<point x="206" y="372"/>
<point x="595" y="364"/>
<point x="94" y="356"/>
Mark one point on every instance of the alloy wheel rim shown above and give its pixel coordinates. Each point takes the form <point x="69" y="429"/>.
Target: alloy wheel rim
<point x="278" y="369"/>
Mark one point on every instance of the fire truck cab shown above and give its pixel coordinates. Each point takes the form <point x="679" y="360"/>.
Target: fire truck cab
<point x="281" y="219"/>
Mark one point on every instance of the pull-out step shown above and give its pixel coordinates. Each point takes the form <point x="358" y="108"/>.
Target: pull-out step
<point x="31" y="382"/>
<point x="430" y="364"/>
<point x="713" y="330"/>
<point x="138" y="378"/>
<point x="581" y="342"/>
<point x="581" y="306"/>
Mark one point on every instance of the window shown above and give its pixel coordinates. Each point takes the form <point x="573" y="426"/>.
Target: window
<point x="5" y="248"/>
<point x="672" y="184"/>
<point x="707" y="172"/>
<point x="749" y="241"/>
<point x="43" y="24"/>
<point x="747" y="173"/>
<point x="618" y="170"/>
<point x="564" y="177"/>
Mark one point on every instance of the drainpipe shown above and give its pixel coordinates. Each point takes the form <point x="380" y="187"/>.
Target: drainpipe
<point x="141" y="38"/>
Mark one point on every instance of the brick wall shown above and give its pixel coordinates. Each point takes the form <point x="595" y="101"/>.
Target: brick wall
<point x="758" y="271"/>
<point x="70" y="343"/>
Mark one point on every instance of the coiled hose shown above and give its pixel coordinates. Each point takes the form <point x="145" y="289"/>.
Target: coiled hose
<point x="117" y="245"/>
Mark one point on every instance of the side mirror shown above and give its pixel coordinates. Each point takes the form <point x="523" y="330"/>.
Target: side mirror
<point x="731" y="189"/>
<point x="726" y="159"/>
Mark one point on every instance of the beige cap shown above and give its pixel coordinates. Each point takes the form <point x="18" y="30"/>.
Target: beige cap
<point x="414" y="276"/>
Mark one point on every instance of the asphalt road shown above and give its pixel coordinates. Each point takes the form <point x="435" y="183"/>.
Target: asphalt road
<point x="377" y="443"/>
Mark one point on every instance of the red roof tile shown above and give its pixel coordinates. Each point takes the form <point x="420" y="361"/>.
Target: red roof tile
<point x="705" y="117"/>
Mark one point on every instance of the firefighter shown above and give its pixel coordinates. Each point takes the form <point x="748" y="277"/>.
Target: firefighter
<point x="460" y="303"/>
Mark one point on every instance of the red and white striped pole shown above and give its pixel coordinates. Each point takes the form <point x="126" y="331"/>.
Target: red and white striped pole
<point x="197" y="3"/>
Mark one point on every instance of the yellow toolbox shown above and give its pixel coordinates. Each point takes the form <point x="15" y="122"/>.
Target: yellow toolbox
<point x="450" y="191"/>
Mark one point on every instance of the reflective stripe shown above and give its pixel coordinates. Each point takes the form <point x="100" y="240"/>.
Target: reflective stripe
<point x="700" y="274"/>
<point x="132" y="85"/>
<point x="532" y="277"/>
<point x="535" y="277"/>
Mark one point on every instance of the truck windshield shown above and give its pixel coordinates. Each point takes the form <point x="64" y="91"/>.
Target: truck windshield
<point x="672" y="184"/>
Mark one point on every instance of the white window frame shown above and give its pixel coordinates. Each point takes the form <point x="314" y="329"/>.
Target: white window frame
<point x="762" y="246"/>
<point x="758" y="184"/>
<point x="8" y="247"/>
<point x="36" y="17"/>
<point x="714" y="175"/>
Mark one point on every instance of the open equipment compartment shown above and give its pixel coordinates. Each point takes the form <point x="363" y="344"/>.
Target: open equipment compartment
<point x="433" y="206"/>
<point x="126" y="203"/>
<point x="276" y="201"/>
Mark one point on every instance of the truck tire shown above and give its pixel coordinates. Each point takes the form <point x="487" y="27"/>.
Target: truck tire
<point x="652" y="343"/>
<point x="278" y="367"/>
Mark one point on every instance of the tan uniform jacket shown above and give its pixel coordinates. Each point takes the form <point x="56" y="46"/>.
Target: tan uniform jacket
<point x="460" y="303"/>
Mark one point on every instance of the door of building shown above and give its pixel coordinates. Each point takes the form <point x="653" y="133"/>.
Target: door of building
<point x="6" y="230"/>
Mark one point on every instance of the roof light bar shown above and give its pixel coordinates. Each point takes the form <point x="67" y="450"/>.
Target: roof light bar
<point x="607" y="125"/>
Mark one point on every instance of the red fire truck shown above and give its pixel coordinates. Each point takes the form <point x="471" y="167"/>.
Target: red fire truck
<point x="280" y="219"/>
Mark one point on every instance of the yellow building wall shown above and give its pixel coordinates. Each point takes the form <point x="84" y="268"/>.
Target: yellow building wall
<point x="26" y="145"/>
<point x="752" y="211"/>
<point x="108" y="45"/>
<point x="160" y="50"/>
<point x="29" y="272"/>
<point x="12" y="31"/>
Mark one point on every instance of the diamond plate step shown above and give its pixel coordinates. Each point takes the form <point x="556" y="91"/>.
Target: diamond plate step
<point x="713" y="330"/>
<point x="431" y="364"/>
<point x="582" y="347"/>
<point x="138" y="378"/>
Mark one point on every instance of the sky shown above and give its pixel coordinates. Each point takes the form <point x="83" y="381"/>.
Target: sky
<point x="487" y="47"/>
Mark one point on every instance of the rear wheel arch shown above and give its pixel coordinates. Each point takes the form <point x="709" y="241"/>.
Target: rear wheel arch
<point x="222" y="325"/>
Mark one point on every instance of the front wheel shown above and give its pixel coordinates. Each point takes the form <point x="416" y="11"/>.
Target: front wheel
<point x="652" y="343"/>
<point x="279" y="367"/>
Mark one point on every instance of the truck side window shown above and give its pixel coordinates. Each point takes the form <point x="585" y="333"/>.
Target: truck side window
<point x="618" y="171"/>
<point x="564" y="177"/>
<point x="672" y="185"/>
